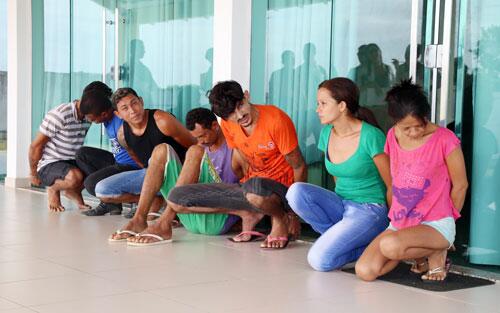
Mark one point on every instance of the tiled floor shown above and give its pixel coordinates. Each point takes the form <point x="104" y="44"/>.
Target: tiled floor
<point x="63" y="263"/>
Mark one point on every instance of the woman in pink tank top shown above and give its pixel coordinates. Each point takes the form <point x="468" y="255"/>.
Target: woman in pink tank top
<point x="429" y="183"/>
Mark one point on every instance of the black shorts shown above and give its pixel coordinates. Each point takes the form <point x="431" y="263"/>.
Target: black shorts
<point x="227" y="196"/>
<point x="55" y="170"/>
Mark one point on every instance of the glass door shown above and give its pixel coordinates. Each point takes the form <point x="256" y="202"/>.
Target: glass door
<point x="92" y="52"/>
<point x="477" y="85"/>
<point x="165" y="52"/>
<point x="3" y="89"/>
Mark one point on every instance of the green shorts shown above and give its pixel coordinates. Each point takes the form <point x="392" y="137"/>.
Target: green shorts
<point x="207" y="224"/>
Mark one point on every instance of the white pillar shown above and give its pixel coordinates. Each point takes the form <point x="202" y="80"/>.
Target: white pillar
<point x="232" y="34"/>
<point x="18" y="92"/>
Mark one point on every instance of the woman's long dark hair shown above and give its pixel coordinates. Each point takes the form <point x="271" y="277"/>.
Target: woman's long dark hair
<point x="344" y="89"/>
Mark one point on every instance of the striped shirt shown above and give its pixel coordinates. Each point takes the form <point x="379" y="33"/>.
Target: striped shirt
<point x="66" y="133"/>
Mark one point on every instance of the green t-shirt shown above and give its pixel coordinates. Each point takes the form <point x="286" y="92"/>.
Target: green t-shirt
<point x="358" y="178"/>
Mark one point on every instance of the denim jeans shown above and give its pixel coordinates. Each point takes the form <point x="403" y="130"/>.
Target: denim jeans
<point x="346" y="227"/>
<point x="122" y="183"/>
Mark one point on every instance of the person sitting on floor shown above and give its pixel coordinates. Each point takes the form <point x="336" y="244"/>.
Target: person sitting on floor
<point x="52" y="152"/>
<point x="266" y="137"/>
<point x="349" y="218"/>
<point x="429" y="183"/>
<point x="210" y="161"/>
<point x="98" y="164"/>
<point x="142" y="130"/>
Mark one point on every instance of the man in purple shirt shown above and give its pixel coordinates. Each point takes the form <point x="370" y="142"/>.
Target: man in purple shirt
<point x="211" y="154"/>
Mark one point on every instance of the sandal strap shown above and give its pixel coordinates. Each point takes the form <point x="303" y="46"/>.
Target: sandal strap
<point x="437" y="270"/>
<point x="159" y="238"/>
<point x="250" y="232"/>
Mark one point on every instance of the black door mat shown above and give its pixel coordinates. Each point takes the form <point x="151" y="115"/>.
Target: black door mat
<point x="402" y="275"/>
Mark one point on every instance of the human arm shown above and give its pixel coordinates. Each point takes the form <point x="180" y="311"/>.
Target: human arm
<point x="170" y="126"/>
<point x="459" y="184"/>
<point x="298" y="165"/>
<point x="239" y="164"/>
<point x="120" y="136"/>
<point x="382" y="163"/>
<point x="35" y="154"/>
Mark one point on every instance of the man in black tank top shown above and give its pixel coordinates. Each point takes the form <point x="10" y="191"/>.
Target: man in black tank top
<point x="141" y="132"/>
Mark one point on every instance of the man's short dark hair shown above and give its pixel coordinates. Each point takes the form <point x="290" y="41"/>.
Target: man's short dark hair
<point x="201" y="116"/>
<point x="225" y="97"/>
<point x="99" y="86"/>
<point x="95" y="102"/>
<point x="121" y="93"/>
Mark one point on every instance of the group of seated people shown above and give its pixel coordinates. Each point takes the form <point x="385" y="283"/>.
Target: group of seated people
<point x="210" y="174"/>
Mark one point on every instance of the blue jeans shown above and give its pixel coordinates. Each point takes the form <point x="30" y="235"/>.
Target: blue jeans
<point x="122" y="183"/>
<point x="346" y="227"/>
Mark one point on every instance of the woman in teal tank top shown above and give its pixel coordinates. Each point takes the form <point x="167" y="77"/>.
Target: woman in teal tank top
<point x="349" y="217"/>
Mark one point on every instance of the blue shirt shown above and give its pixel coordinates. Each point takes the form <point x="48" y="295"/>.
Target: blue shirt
<point x="121" y="155"/>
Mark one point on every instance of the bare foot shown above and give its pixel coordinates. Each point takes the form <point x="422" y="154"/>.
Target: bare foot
<point x="161" y="228"/>
<point x="248" y="222"/>
<point x="136" y="225"/>
<point x="419" y="266"/>
<point x="279" y="230"/>
<point x="76" y="196"/>
<point x="437" y="266"/>
<point x="55" y="200"/>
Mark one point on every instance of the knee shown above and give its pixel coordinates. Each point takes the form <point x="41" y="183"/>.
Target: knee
<point x="255" y="199"/>
<point x="295" y="196"/>
<point x="365" y="272"/>
<point x="160" y="153"/>
<point x="321" y="261"/>
<point x="102" y="190"/>
<point x="74" y="178"/>
<point x="195" y="152"/>
<point x="90" y="183"/>
<point x="391" y="247"/>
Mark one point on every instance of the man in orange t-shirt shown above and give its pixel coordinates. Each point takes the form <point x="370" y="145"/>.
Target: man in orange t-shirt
<point x="266" y="136"/>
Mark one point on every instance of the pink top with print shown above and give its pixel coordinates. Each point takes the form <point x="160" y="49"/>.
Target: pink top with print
<point x="421" y="183"/>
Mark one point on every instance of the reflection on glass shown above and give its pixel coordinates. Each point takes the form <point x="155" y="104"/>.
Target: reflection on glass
<point x="403" y="69"/>
<point x="374" y="79"/>
<point x="298" y="44"/>
<point x="482" y="39"/>
<point x="140" y="75"/>
<point x="168" y="55"/>
<point x="309" y="41"/>
<point x="86" y="55"/>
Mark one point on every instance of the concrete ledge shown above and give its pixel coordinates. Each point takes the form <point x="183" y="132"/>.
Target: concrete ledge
<point x="19" y="182"/>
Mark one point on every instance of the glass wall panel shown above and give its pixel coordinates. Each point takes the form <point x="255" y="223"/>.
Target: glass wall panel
<point x="478" y="101"/>
<point x="51" y="57"/>
<point x="3" y="88"/>
<point x="67" y="55"/>
<point x="308" y="41"/>
<point x="166" y="54"/>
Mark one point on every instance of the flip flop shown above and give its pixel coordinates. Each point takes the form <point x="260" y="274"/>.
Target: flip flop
<point x="254" y="236"/>
<point x="160" y="241"/>
<point x="415" y="266"/>
<point x="437" y="270"/>
<point x="154" y="216"/>
<point x="119" y="232"/>
<point x="273" y="239"/>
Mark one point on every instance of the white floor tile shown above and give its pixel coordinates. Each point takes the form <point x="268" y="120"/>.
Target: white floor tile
<point x="126" y="303"/>
<point x="58" y="289"/>
<point x="6" y="304"/>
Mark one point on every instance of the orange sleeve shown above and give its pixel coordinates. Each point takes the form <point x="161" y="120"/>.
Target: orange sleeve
<point x="226" y="130"/>
<point x="284" y="134"/>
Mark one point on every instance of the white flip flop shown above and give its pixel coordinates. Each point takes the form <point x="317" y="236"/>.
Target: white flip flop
<point x="160" y="241"/>
<point x="119" y="232"/>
